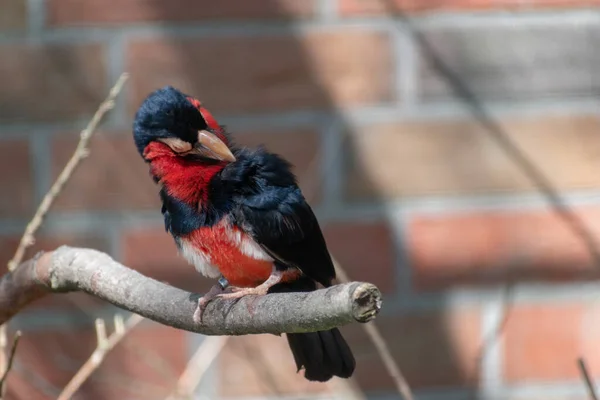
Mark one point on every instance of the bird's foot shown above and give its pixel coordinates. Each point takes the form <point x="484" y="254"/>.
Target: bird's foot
<point x="239" y="292"/>
<point x="224" y="291"/>
<point x="260" y="290"/>
<point x="214" y="291"/>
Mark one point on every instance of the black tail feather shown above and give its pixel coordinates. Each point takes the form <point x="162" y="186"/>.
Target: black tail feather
<point x="322" y="354"/>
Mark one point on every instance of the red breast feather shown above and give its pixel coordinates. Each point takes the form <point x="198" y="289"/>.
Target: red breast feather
<point x="225" y="249"/>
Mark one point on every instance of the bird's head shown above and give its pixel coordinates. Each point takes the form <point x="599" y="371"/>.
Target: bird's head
<point x="170" y="123"/>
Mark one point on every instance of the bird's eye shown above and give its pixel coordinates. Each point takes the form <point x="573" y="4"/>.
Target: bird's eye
<point x="177" y="145"/>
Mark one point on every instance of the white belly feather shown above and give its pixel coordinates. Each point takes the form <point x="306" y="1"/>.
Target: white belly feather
<point x="202" y="260"/>
<point x="199" y="259"/>
<point x="247" y="245"/>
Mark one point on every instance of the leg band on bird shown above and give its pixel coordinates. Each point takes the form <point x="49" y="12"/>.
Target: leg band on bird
<point x="224" y="283"/>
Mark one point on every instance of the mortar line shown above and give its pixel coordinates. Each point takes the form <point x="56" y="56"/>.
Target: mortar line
<point x="408" y="208"/>
<point x="490" y="377"/>
<point x="406" y="78"/>
<point x="360" y="116"/>
<point x="463" y="20"/>
<point x="398" y="222"/>
<point x="327" y="10"/>
<point x="331" y="171"/>
<point x="36" y="17"/>
<point x="40" y="156"/>
<point x="115" y="242"/>
<point x="116" y="66"/>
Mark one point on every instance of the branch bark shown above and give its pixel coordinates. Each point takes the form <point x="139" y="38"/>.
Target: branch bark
<point x="75" y="269"/>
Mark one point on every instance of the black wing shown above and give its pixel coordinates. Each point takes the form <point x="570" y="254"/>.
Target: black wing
<point x="271" y="208"/>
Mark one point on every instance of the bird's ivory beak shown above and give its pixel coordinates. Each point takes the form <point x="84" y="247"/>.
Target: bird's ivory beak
<point x="209" y="145"/>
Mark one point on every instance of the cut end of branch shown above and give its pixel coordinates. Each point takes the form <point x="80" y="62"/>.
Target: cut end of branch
<point x="366" y="302"/>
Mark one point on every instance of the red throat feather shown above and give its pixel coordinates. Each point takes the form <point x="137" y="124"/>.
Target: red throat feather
<point x="186" y="180"/>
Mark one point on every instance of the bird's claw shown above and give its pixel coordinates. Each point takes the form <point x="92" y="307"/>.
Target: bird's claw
<point x="224" y="290"/>
<point x="203" y="301"/>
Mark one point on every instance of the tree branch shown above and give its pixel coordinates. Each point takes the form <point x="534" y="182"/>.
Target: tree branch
<point x="75" y="269"/>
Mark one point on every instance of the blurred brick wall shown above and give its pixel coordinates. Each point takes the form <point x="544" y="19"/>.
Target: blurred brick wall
<point x="412" y="193"/>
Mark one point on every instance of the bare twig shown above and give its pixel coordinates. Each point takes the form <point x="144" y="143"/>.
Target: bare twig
<point x="586" y="377"/>
<point x="3" y="345"/>
<point x="103" y="346"/>
<point x="11" y="357"/>
<point x="80" y="153"/>
<point x="197" y="366"/>
<point x="381" y="346"/>
<point x="71" y="269"/>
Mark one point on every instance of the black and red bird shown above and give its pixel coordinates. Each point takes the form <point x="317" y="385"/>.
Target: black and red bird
<point x="238" y="214"/>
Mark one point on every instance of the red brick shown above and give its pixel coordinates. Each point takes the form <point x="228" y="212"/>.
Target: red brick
<point x="378" y="7"/>
<point x="433" y="349"/>
<point x="124" y="373"/>
<point x="113" y="12"/>
<point x="152" y="252"/>
<point x="113" y="176"/>
<point x="50" y="82"/>
<point x="50" y="241"/>
<point x="261" y="365"/>
<point x="547" y="349"/>
<point x="301" y="148"/>
<point x="491" y="247"/>
<point x="459" y="157"/>
<point x="17" y="200"/>
<point x="13" y="16"/>
<point x="365" y="250"/>
<point x="280" y="72"/>
<point x="19" y="387"/>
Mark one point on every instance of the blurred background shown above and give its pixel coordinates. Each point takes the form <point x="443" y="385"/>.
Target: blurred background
<point x="436" y="141"/>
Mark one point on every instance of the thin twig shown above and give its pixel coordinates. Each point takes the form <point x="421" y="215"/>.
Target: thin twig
<point x="3" y="345"/>
<point x="9" y="364"/>
<point x="104" y="345"/>
<point x="587" y="379"/>
<point x="197" y="366"/>
<point x="381" y="346"/>
<point x="80" y="153"/>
